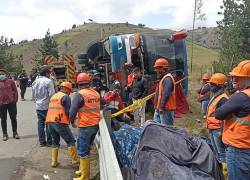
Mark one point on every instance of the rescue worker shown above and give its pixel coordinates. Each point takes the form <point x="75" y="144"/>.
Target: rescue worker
<point x="215" y="126"/>
<point x="85" y="102"/>
<point x="58" y="123"/>
<point x="236" y="131"/>
<point x="165" y="103"/>
<point x="204" y="94"/>
<point x="96" y="82"/>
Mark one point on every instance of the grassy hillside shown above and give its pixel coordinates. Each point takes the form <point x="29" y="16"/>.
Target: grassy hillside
<point x="207" y="37"/>
<point x="74" y="41"/>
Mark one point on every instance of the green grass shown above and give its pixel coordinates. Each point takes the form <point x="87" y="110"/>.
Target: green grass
<point x="202" y="62"/>
<point x="20" y="49"/>
<point x="60" y="39"/>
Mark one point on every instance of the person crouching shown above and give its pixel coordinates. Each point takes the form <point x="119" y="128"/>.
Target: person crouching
<point x="58" y="123"/>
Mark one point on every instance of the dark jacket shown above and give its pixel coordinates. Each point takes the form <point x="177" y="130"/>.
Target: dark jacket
<point x="23" y="78"/>
<point x="139" y="88"/>
<point x="8" y="92"/>
<point x="238" y="105"/>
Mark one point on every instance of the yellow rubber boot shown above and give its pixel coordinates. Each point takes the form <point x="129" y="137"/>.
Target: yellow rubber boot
<point x="73" y="155"/>
<point x="224" y="169"/>
<point x="54" y="156"/>
<point x="84" y="168"/>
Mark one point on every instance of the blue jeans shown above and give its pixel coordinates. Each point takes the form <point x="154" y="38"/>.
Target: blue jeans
<point x="204" y="105"/>
<point x="58" y="130"/>
<point x="238" y="163"/>
<point x="86" y="136"/>
<point x="165" y="117"/>
<point x="41" y="116"/>
<point x="218" y="146"/>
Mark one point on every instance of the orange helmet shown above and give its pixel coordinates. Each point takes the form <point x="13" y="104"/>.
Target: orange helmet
<point x="67" y="85"/>
<point x="218" y="79"/>
<point x="242" y="69"/>
<point x="83" y="78"/>
<point x="161" y="63"/>
<point x="205" y="76"/>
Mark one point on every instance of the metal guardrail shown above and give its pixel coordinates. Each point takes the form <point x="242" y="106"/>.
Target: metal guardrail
<point x="109" y="167"/>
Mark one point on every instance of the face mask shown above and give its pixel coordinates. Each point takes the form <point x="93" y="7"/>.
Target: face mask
<point x="215" y="88"/>
<point x="2" y="77"/>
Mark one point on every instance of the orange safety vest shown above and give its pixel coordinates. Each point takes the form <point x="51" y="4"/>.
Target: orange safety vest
<point x="171" y="103"/>
<point x="207" y="94"/>
<point x="212" y="122"/>
<point x="56" y="112"/>
<point x="130" y="79"/>
<point x="89" y="113"/>
<point x="237" y="130"/>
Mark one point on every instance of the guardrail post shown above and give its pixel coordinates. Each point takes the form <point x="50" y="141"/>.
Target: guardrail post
<point x="107" y="117"/>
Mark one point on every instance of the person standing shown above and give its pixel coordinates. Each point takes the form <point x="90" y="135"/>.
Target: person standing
<point x="165" y="103"/>
<point x="236" y="133"/>
<point x="58" y="123"/>
<point x="23" y="79"/>
<point x="42" y="90"/>
<point x="215" y="127"/>
<point x="204" y="94"/>
<point x="139" y="90"/>
<point x="85" y="103"/>
<point x="8" y="100"/>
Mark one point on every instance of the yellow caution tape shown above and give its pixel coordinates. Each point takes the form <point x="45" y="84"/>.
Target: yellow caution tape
<point x="138" y="103"/>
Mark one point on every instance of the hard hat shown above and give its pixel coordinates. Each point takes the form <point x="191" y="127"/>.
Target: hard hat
<point x="218" y="79"/>
<point x="161" y="62"/>
<point x="83" y="78"/>
<point x="67" y="85"/>
<point x="94" y="72"/>
<point x="205" y="76"/>
<point x="242" y="69"/>
<point x="117" y="86"/>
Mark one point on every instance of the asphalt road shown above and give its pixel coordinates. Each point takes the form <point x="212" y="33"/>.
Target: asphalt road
<point x="13" y="152"/>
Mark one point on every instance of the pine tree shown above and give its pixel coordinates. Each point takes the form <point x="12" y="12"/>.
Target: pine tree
<point x="49" y="46"/>
<point x="231" y="36"/>
<point x="245" y="29"/>
<point x="7" y="58"/>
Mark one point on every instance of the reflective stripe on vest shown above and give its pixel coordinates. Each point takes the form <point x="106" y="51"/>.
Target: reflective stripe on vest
<point x="89" y="110"/>
<point x="56" y="112"/>
<point x="237" y="130"/>
<point x="171" y="103"/>
<point x="241" y="121"/>
<point x="212" y="122"/>
<point x="89" y="114"/>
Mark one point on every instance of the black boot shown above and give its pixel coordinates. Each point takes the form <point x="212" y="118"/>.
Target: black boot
<point x="5" y="137"/>
<point x="16" y="136"/>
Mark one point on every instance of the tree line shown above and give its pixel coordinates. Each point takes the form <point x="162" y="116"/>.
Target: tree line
<point x="234" y="34"/>
<point x="7" y="58"/>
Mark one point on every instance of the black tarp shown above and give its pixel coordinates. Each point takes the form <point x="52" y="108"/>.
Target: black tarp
<point x="169" y="153"/>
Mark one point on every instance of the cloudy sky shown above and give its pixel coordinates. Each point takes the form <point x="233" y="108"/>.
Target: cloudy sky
<point x="29" y="19"/>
